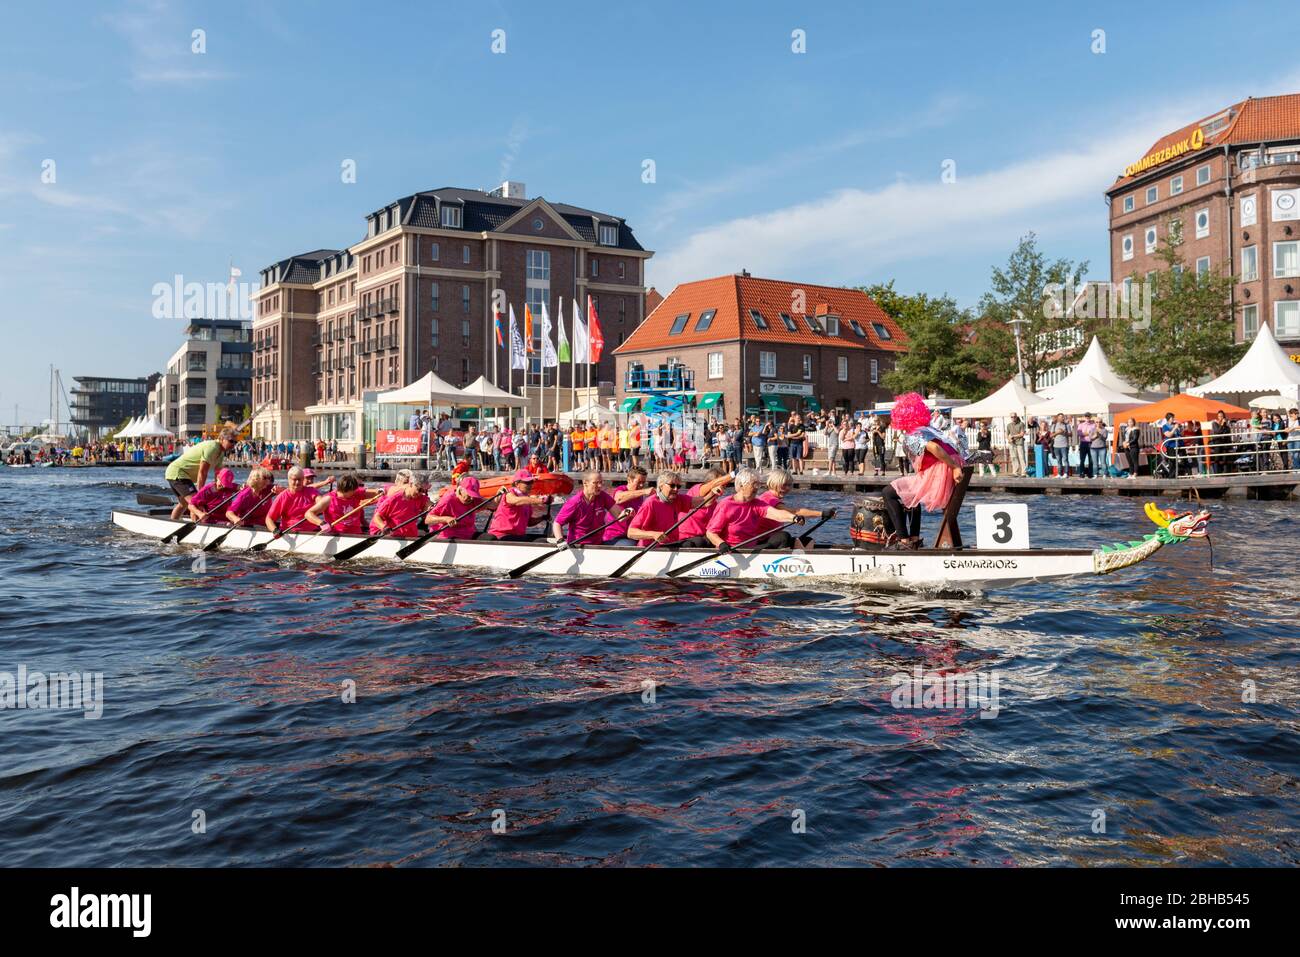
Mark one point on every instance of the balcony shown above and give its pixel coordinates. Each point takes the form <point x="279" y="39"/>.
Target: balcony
<point x="234" y="399"/>
<point x="676" y="379"/>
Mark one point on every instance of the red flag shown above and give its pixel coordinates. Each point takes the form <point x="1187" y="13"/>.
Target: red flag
<point x="528" y="329"/>
<point x="593" y="330"/>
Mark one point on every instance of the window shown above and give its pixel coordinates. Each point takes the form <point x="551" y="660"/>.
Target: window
<point x="609" y="235"/>
<point x="807" y="366"/>
<point x="705" y="320"/>
<point x="1203" y="175"/>
<point x="1151" y="239"/>
<point x="832" y="325"/>
<point x="451" y="217"/>
<point x="789" y="323"/>
<point x="715" y="365"/>
<point x="1176" y="231"/>
<point x="1249" y="323"/>
<point x="1248" y="207"/>
<point x="767" y="365"/>
<point x="464" y="254"/>
<point x="1153" y="194"/>
<point x="1249" y="263"/>
<point x="1128" y="203"/>
<point x="464" y="298"/>
<point x="1286" y="260"/>
<point x="857" y="329"/>
<point x="433" y="333"/>
<point x="758" y="319"/>
<point x="1126" y="245"/>
<point x="812" y="323"/>
<point x="1202" y="223"/>
<point x="464" y="333"/>
<point x="595" y="268"/>
<point x="538" y="265"/>
<point x="679" y="324"/>
<point x="1286" y="319"/>
<point x="622" y="270"/>
<point x="433" y="365"/>
<point x="881" y="331"/>
<point x="433" y="296"/>
<point x="1203" y="266"/>
<point x="842" y="368"/>
<point x="875" y="371"/>
<point x="464" y="370"/>
<point x="1175" y="186"/>
<point x="433" y="252"/>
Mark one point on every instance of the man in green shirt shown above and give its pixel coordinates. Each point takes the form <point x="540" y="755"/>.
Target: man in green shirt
<point x="188" y="472"/>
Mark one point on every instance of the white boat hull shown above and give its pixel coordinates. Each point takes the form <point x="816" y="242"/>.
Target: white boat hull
<point x="960" y="569"/>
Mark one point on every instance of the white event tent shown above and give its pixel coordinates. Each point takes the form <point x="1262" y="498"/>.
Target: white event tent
<point x="1012" y="397"/>
<point x="589" y="413"/>
<point x="427" y="391"/>
<point x="129" y="430"/>
<point x="1075" y="395"/>
<point x="1264" y="368"/>
<point x="1093" y="365"/>
<point x="150" y="428"/>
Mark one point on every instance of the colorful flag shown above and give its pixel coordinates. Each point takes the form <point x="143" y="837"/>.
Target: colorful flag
<point x="528" y="328"/>
<point x="581" y="347"/>
<point x="496" y="327"/>
<point x="565" y="354"/>
<point x="597" y="337"/>
<point x="549" y="360"/>
<point x="516" y="343"/>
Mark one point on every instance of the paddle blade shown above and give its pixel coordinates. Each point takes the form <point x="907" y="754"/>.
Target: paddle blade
<point x="356" y="549"/>
<point x="618" y="572"/>
<point x="529" y="565"/>
<point x="414" y="547"/>
<point x="216" y="542"/>
<point x="261" y="546"/>
<point x="179" y="533"/>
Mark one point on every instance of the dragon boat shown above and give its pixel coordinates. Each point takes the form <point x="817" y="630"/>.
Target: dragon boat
<point x="946" y="567"/>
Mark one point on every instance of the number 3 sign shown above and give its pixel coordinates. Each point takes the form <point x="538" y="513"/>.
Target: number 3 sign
<point x="1002" y="526"/>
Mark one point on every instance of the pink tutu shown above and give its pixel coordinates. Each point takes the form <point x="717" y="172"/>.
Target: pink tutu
<point x="930" y="487"/>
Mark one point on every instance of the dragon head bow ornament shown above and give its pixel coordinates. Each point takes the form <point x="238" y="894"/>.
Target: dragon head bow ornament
<point x="1172" y="529"/>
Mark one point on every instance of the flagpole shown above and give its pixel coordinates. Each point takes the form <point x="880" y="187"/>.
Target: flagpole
<point x="558" y="336"/>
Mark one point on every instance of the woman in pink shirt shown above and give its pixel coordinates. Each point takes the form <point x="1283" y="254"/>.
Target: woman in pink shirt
<point x="450" y="512"/>
<point x="778" y="487"/>
<point x="396" y="511"/>
<point x="251" y="505"/>
<point x="514" y="510"/>
<point x="627" y="496"/>
<point x="342" y="511"/>
<point x="743" y="515"/>
<point x="211" y="495"/>
<point x="693" y="528"/>
<point x="290" y="506"/>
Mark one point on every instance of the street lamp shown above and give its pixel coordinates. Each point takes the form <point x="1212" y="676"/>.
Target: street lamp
<point x="1015" y="324"/>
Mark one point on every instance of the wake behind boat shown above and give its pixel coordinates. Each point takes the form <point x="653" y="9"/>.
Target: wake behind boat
<point x="926" y="568"/>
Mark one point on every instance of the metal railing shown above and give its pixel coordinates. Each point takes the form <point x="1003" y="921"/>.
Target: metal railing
<point x="678" y="378"/>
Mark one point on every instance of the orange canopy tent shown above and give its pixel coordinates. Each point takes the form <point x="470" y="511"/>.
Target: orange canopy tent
<point x="1187" y="407"/>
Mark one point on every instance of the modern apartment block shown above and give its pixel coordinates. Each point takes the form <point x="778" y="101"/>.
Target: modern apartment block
<point x="1228" y="186"/>
<point x="741" y="345"/>
<point x="208" y="378"/>
<point x="101" y="404"/>
<point x="416" y="293"/>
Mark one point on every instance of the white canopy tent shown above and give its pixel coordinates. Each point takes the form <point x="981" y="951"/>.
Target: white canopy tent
<point x="130" y="428"/>
<point x="427" y="391"/>
<point x="1075" y="396"/>
<point x="1275" y="402"/>
<point x="1093" y="365"/>
<point x="151" y="428"/>
<point x="589" y="413"/>
<point x="1012" y="397"/>
<point x="1264" y="368"/>
<point x="484" y="392"/>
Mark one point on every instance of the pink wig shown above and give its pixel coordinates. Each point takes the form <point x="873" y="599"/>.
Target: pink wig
<point x="910" y="412"/>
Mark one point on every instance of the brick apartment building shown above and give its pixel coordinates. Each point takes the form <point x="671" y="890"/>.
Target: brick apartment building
<point x="741" y="344"/>
<point x="207" y="378"/>
<point x="1229" y="184"/>
<point x="333" y="326"/>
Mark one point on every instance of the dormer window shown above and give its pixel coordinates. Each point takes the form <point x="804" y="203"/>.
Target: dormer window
<point x="812" y="324"/>
<point x="789" y="323"/>
<point x="881" y="331"/>
<point x="857" y="329"/>
<point x="679" y="324"/>
<point x="832" y="325"/>
<point x="706" y="320"/>
<point x="757" y="316"/>
<point x="608" y="235"/>
<point x="451" y="217"/>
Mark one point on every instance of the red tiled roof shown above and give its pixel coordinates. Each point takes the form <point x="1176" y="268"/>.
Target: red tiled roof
<point x="1253" y="121"/>
<point x="734" y="296"/>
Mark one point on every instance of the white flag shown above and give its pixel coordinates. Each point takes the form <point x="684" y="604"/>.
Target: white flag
<point x="581" y="344"/>
<point x="516" y="343"/>
<point x="549" y="360"/>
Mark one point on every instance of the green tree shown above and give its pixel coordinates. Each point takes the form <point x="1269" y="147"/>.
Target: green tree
<point x="1189" y="332"/>
<point x="1031" y="288"/>
<point x="938" y="359"/>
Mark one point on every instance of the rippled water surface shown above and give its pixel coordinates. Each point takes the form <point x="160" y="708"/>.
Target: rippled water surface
<point x="770" y="740"/>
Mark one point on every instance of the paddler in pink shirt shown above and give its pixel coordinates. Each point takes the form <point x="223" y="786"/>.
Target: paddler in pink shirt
<point x="254" y="501"/>
<point x="290" y="506"/>
<point x="341" y="512"/>
<point x="211" y="495"/>
<point x="742" y="516"/>
<point x="693" y="528"/>
<point x="778" y="487"/>
<point x="450" y="512"/>
<point x="515" y="510"/>
<point x="398" y="508"/>
<point x="660" y="512"/>
<point x="585" y="511"/>
<point x="627" y="496"/>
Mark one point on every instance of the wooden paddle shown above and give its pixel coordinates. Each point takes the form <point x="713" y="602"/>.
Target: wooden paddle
<point x="216" y="542"/>
<point x="366" y="503"/>
<point x="145" y="498"/>
<point x="411" y="549"/>
<point x="618" y="572"/>
<point x="676" y="572"/>
<point x="533" y="563"/>
<point x="262" y="546"/>
<point x="190" y="526"/>
<point x="362" y="545"/>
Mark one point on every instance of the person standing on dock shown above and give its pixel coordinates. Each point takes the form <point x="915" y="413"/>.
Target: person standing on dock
<point x="189" y="471"/>
<point x="1016" y="445"/>
<point x="1131" y="440"/>
<point x="1061" y="445"/>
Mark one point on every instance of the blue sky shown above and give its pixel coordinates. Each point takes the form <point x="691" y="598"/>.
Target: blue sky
<point x="821" y="167"/>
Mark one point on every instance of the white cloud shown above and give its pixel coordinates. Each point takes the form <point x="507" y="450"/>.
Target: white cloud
<point x="160" y="45"/>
